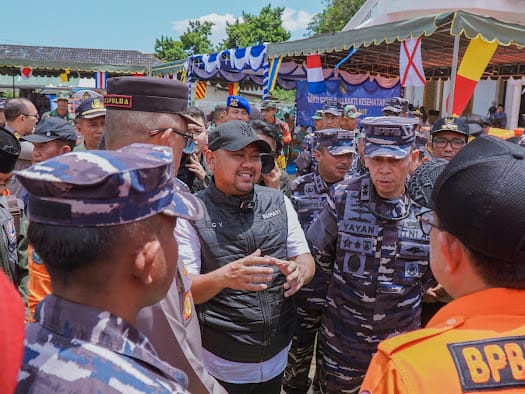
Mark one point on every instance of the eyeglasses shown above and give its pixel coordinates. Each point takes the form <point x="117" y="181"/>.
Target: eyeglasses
<point x="36" y="116"/>
<point x="426" y="222"/>
<point x="189" y="143"/>
<point x="441" y="142"/>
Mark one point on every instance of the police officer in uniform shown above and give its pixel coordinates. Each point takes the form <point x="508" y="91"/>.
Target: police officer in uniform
<point x="474" y="343"/>
<point x="380" y="253"/>
<point x="153" y="110"/>
<point x="448" y="136"/>
<point x="334" y="154"/>
<point x="105" y="265"/>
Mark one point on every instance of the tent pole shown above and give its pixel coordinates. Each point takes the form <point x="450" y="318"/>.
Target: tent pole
<point x="453" y="72"/>
<point x="13" y="86"/>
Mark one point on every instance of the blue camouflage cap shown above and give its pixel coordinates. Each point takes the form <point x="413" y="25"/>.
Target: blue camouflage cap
<point x="106" y="188"/>
<point x="51" y="129"/>
<point x="389" y="136"/>
<point x="336" y="141"/>
<point x="239" y="102"/>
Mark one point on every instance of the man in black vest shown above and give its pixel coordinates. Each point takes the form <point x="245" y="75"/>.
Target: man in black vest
<point x="253" y="257"/>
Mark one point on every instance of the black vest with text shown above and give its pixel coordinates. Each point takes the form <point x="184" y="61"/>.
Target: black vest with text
<point x="238" y="325"/>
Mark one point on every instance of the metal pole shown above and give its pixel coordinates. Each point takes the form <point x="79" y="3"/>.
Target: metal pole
<point x="453" y="72"/>
<point x="13" y="86"/>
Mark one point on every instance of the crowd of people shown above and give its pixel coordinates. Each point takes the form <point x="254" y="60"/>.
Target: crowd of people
<point x="150" y="248"/>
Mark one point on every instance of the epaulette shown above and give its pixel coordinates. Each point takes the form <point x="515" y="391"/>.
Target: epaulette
<point x="399" y="342"/>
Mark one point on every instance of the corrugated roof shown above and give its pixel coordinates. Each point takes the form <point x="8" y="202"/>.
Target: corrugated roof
<point x="53" y="60"/>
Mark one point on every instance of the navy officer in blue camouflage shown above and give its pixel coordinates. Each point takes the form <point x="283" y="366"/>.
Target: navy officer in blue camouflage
<point x="102" y="223"/>
<point x="380" y="255"/>
<point x="310" y="193"/>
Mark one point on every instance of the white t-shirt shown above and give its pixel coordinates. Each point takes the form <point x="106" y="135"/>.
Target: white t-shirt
<point x="231" y="371"/>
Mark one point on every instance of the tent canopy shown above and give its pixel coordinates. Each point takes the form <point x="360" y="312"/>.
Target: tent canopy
<point x="379" y="45"/>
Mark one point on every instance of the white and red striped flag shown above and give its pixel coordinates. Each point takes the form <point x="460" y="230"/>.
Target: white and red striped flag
<point x="411" y="72"/>
<point x="314" y="74"/>
<point x="100" y="79"/>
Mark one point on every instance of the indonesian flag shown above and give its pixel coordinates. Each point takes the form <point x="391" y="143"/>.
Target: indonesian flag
<point x="100" y="79"/>
<point x="314" y="74"/>
<point x="411" y="71"/>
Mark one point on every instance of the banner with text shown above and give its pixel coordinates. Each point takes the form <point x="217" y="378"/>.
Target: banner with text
<point x="368" y="97"/>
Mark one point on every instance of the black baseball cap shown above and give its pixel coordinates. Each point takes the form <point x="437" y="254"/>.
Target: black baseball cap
<point x="235" y="135"/>
<point x="479" y="198"/>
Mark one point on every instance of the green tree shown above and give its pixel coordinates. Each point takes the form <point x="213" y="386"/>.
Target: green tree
<point x="335" y="16"/>
<point x="196" y="39"/>
<point x="167" y="49"/>
<point x="256" y="29"/>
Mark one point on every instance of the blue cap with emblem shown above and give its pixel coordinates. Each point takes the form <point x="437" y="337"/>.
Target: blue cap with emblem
<point x="389" y="136"/>
<point x="239" y="102"/>
<point x="450" y="123"/>
<point x="90" y="108"/>
<point x="50" y="129"/>
<point x="106" y="188"/>
<point x="336" y="141"/>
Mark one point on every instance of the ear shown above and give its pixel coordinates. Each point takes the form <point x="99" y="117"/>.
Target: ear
<point x="211" y="160"/>
<point x="65" y="149"/>
<point x="143" y="264"/>
<point x="452" y="251"/>
<point x="317" y="154"/>
<point x="164" y="138"/>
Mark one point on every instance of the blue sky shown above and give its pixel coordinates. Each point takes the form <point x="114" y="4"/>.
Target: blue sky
<point x="126" y="25"/>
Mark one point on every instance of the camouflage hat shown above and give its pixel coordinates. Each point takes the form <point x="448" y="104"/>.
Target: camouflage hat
<point x="239" y="102"/>
<point x="336" y="141"/>
<point x="9" y="151"/>
<point x="50" y="129"/>
<point x="267" y="104"/>
<point x="147" y="94"/>
<point x="318" y="115"/>
<point x="450" y="123"/>
<point x="388" y="136"/>
<point x="332" y="107"/>
<point x="106" y="188"/>
<point x="350" y="111"/>
<point x="62" y="96"/>
<point x="235" y="135"/>
<point x="90" y="108"/>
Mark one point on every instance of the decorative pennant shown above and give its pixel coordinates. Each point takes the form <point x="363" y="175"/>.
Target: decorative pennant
<point x="100" y="79"/>
<point x="200" y="90"/>
<point x="411" y="70"/>
<point x="26" y="72"/>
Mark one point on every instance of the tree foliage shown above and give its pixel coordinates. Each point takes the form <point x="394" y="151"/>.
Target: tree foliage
<point x="256" y="29"/>
<point x="335" y="16"/>
<point x="196" y="39"/>
<point x="167" y="49"/>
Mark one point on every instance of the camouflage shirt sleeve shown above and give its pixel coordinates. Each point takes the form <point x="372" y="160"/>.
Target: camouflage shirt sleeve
<point x="322" y="235"/>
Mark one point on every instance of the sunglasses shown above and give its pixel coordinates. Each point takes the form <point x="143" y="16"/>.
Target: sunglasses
<point x="189" y="143"/>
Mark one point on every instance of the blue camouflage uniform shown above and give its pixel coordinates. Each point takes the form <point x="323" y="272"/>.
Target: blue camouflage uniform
<point x="310" y="193"/>
<point x="379" y="275"/>
<point x="81" y="349"/>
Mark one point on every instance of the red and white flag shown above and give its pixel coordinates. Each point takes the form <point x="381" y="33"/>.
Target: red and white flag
<point x="100" y="79"/>
<point x="411" y="72"/>
<point x="314" y="74"/>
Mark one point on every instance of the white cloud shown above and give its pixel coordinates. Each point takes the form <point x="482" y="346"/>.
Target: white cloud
<point x="294" y="20"/>
<point x="218" y="31"/>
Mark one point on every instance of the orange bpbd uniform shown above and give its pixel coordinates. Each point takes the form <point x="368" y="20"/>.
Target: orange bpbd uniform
<point x="475" y="344"/>
<point x="39" y="282"/>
